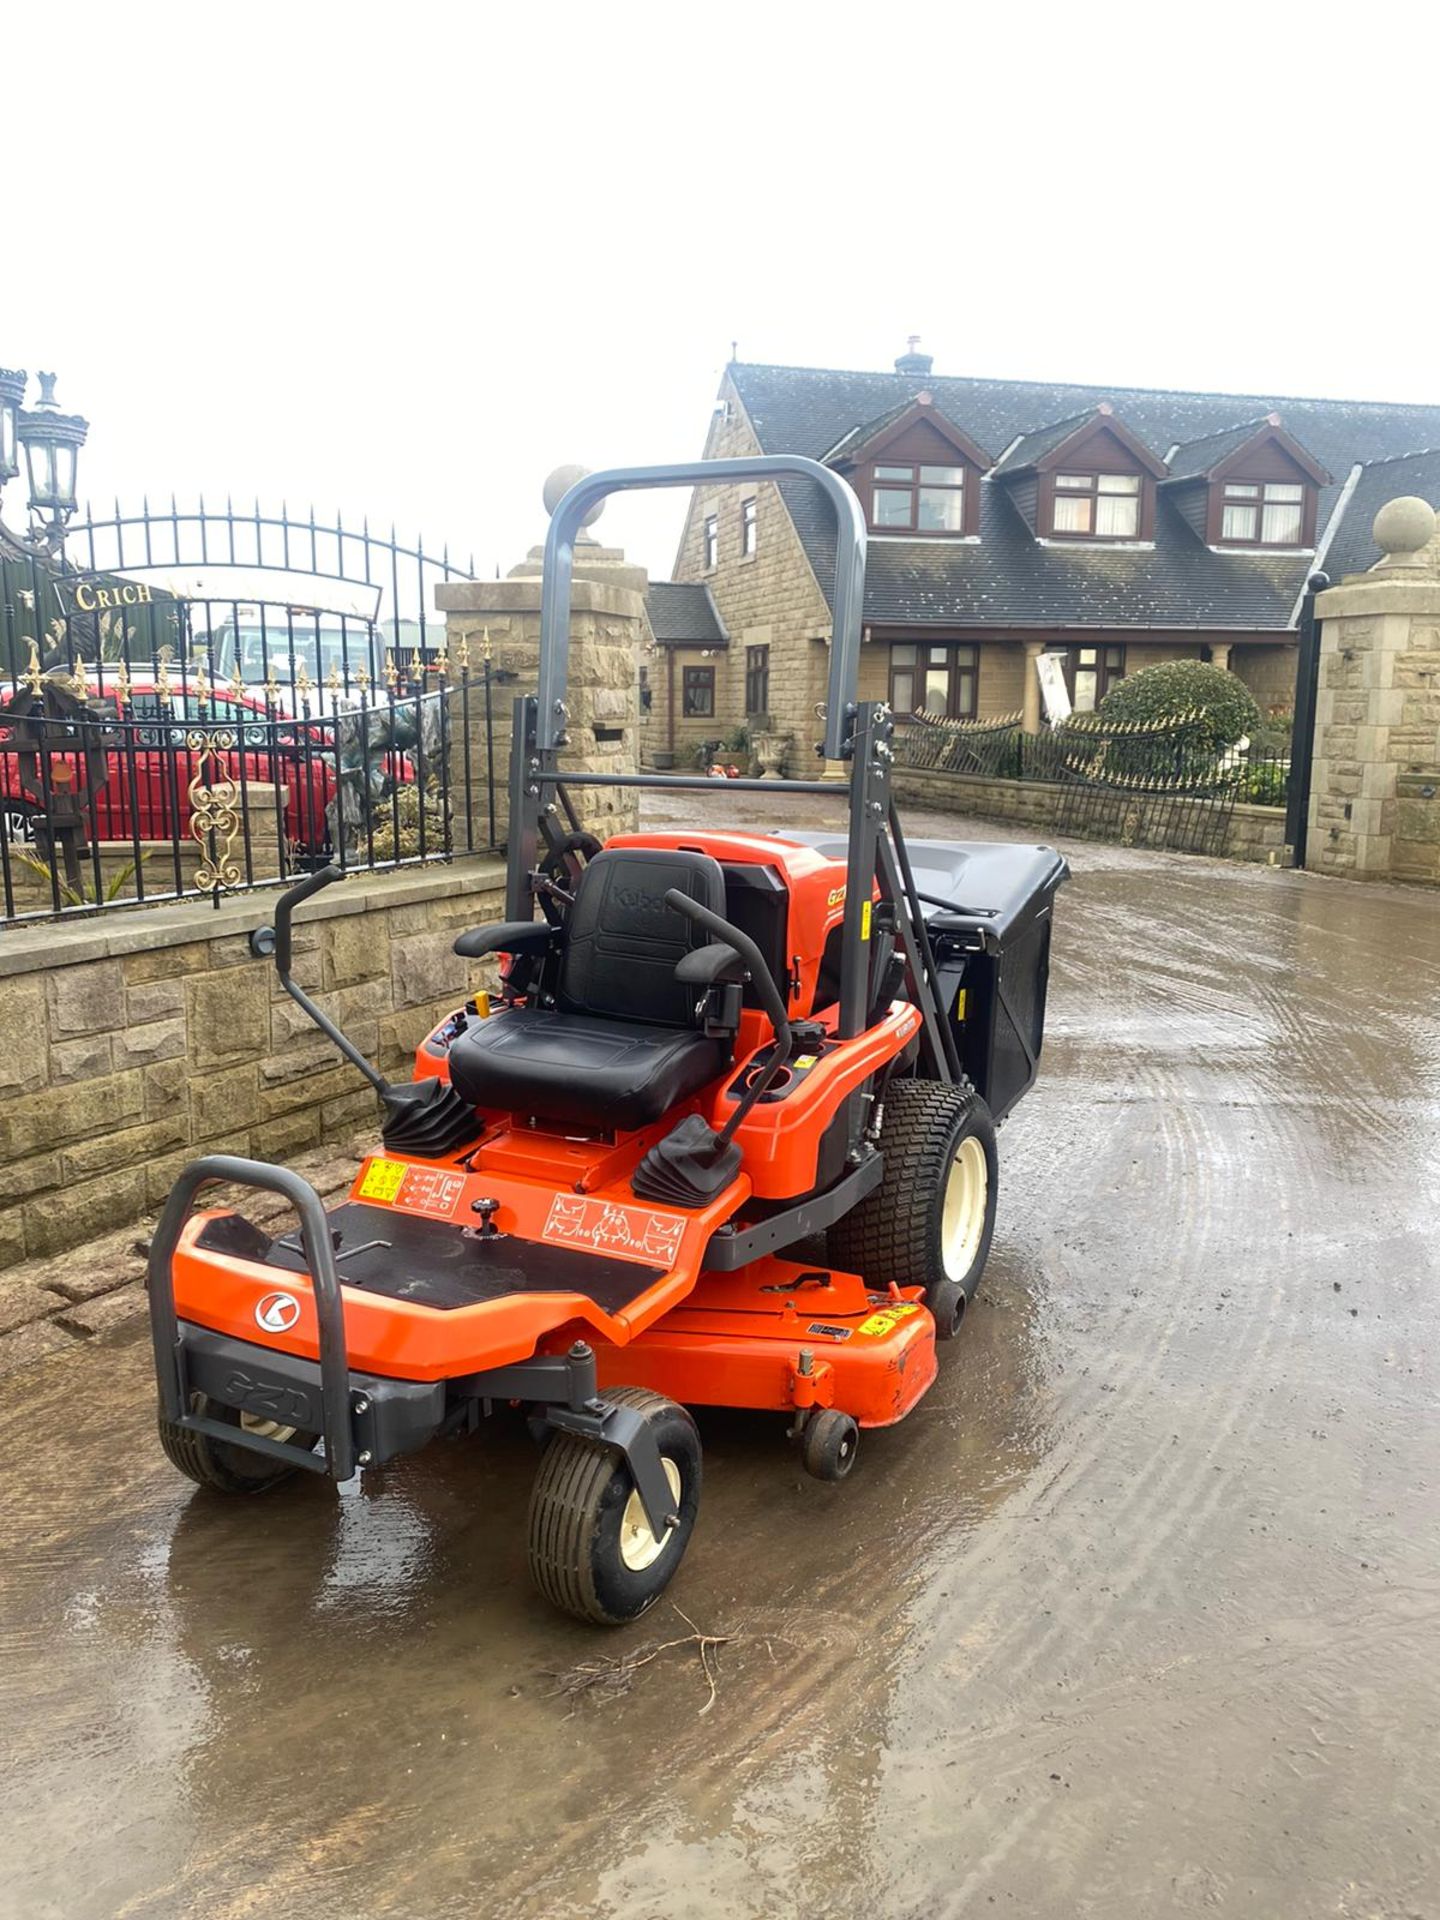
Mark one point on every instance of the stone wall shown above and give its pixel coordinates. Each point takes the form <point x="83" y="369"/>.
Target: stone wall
<point x="1269" y="673"/>
<point x="1253" y="833"/>
<point x="130" y="1044"/>
<point x="1375" y="790"/>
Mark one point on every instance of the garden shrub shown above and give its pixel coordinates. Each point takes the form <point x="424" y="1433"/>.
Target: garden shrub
<point x="1223" y="704"/>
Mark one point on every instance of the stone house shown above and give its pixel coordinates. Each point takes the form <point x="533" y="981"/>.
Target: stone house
<point x="1114" y="527"/>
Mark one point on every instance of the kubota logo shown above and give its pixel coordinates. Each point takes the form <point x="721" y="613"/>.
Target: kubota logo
<point x="277" y="1312"/>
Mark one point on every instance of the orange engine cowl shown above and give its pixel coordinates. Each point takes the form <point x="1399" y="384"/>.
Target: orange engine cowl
<point x="787" y="897"/>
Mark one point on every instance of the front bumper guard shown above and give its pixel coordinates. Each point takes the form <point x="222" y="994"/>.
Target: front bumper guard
<point x="362" y="1420"/>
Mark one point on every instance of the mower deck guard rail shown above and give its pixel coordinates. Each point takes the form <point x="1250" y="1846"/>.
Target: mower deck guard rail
<point x="226" y="1169"/>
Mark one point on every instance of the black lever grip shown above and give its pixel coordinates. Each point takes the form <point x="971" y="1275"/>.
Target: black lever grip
<point x="294" y="897"/>
<point x="764" y="981"/>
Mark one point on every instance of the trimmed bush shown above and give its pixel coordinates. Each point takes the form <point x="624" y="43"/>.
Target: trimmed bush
<point x="1224" y="705"/>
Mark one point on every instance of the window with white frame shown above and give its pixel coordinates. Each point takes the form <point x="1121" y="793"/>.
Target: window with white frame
<point x="1263" y="513"/>
<point x="1103" y="505"/>
<point x="749" y="529"/>
<point x="712" y="542"/>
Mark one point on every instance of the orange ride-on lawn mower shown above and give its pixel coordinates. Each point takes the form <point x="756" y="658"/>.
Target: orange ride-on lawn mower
<point x="708" y="1050"/>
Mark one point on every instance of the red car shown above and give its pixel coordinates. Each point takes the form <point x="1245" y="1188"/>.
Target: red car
<point x="149" y="765"/>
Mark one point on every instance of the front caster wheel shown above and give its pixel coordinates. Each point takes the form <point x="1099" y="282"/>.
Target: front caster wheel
<point x="946" y="1301"/>
<point x="592" y="1552"/>
<point x="829" y="1444"/>
<point x="228" y="1469"/>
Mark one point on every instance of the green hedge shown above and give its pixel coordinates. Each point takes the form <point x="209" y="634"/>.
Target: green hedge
<point x="1224" y="706"/>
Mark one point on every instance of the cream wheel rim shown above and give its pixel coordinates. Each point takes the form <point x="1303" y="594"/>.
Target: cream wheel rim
<point x="266" y="1429"/>
<point x="962" y="1219"/>
<point x="639" y="1547"/>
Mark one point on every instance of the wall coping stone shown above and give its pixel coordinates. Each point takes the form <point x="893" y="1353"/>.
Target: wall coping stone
<point x="523" y="596"/>
<point x="38" y="947"/>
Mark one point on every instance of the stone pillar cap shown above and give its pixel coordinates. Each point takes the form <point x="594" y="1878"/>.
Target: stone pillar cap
<point x="1402" y="529"/>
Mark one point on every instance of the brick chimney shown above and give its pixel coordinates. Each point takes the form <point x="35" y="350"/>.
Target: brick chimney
<point x="912" y="362"/>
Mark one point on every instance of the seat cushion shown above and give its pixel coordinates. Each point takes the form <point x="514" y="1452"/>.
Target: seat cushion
<point x="622" y="942"/>
<point x="580" y="1071"/>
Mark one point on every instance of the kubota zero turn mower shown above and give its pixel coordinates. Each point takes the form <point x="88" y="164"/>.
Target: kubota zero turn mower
<point x="708" y="1049"/>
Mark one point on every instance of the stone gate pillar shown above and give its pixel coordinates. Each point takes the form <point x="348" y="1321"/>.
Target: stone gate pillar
<point x="1375" y="789"/>
<point x="607" y="612"/>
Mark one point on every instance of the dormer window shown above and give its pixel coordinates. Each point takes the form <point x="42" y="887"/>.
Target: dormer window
<point x="1105" y="506"/>
<point x="917" y="472"/>
<point x="1268" y="513"/>
<point x="916" y="499"/>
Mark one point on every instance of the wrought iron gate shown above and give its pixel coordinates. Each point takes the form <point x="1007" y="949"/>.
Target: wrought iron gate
<point x="183" y="670"/>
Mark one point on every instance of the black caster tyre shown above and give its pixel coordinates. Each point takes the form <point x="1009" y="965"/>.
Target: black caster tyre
<point x="931" y="1219"/>
<point x="226" y="1469"/>
<point x="829" y="1444"/>
<point x="592" y="1553"/>
<point x="947" y="1306"/>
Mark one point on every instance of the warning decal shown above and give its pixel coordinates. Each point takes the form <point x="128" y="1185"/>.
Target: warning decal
<point x="430" y="1190"/>
<point x="633" y="1233"/>
<point x="879" y="1324"/>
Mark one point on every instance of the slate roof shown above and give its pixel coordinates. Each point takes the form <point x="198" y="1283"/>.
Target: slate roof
<point x="1351" y="549"/>
<point x="1034" y="446"/>
<point x="1009" y="581"/>
<point x="684" y="616"/>
<point x="1199" y="456"/>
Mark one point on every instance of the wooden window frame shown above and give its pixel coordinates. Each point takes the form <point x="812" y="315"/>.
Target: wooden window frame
<point x="757" y="679"/>
<point x="1092" y="494"/>
<point x="749" y="528"/>
<point x="1306" y="504"/>
<point x="710" y="536"/>
<point x="1106" y="675"/>
<point x="957" y="672"/>
<point x="692" y="678"/>
<point x="968" y="480"/>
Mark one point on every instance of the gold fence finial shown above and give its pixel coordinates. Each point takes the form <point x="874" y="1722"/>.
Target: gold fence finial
<point x="392" y="672"/>
<point x="33" y="676"/>
<point x="162" y="675"/>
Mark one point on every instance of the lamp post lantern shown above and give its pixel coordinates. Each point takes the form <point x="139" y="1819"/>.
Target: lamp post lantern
<point x="12" y="392"/>
<point x="52" y="441"/>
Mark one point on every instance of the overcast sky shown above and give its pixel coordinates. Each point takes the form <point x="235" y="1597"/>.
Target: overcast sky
<point x="405" y="259"/>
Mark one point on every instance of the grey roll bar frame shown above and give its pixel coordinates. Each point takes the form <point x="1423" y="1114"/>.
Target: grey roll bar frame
<point x="559" y="570"/>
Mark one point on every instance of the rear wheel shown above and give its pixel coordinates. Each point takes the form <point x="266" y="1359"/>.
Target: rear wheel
<point x="215" y="1463"/>
<point x="929" y="1222"/>
<point x="592" y="1551"/>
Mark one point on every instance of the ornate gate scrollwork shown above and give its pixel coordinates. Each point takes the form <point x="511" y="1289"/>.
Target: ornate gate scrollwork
<point x="214" y="814"/>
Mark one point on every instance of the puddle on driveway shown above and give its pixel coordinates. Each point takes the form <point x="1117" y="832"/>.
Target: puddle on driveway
<point x="1136" y="1615"/>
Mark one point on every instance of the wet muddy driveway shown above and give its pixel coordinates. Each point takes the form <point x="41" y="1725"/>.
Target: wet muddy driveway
<point x="1137" y="1615"/>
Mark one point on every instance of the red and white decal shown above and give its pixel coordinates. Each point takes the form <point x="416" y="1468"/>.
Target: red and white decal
<point x="632" y="1233"/>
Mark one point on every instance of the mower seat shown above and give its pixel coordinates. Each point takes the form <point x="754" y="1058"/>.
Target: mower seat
<point x="624" y="1041"/>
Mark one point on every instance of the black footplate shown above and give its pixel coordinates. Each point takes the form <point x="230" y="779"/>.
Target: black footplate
<point x="383" y="1251"/>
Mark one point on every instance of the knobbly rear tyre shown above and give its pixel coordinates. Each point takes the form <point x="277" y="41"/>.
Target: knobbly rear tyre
<point x="592" y="1553"/>
<point x="930" y="1221"/>
<point x="214" y="1463"/>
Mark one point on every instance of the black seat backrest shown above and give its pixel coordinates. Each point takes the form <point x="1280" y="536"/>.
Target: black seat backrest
<point x="622" y="942"/>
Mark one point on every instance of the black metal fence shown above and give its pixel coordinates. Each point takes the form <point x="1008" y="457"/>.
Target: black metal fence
<point x="199" y="701"/>
<point x="1162" y="784"/>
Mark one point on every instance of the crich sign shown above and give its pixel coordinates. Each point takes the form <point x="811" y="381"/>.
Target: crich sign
<point x="101" y="593"/>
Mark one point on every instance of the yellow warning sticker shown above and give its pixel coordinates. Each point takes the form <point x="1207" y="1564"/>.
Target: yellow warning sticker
<point x="805" y="1060"/>
<point x="960" y="1003"/>
<point x="382" y="1180"/>
<point x="880" y="1323"/>
<point x="865" y="920"/>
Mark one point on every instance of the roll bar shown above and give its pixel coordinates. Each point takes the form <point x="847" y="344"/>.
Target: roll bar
<point x="558" y="574"/>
